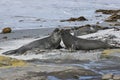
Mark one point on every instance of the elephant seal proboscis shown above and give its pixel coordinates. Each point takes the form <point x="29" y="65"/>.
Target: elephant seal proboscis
<point x="75" y="43"/>
<point x="50" y="42"/>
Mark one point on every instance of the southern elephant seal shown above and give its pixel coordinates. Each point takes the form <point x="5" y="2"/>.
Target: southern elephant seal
<point x="72" y="42"/>
<point x="50" y="42"/>
<point x="87" y="29"/>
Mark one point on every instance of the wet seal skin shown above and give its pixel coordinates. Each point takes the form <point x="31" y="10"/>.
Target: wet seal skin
<point x="74" y="43"/>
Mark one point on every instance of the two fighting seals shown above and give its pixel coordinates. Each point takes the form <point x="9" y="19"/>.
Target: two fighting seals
<point x="53" y="42"/>
<point x="50" y="42"/>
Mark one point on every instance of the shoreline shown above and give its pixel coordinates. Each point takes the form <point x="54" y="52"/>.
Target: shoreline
<point x="26" y="33"/>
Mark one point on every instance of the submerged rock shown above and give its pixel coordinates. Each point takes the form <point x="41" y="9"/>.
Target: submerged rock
<point x="75" y="19"/>
<point x="116" y="24"/>
<point x="107" y="11"/>
<point x="72" y="74"/>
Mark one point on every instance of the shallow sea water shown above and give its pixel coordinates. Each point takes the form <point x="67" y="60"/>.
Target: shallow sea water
<point x="29" y="14"/>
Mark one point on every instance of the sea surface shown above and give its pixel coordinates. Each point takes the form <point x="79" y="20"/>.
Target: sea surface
<point x="32" y="14"/>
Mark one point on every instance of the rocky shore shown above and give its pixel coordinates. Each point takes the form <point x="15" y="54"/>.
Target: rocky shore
<point x="64" y="64"/>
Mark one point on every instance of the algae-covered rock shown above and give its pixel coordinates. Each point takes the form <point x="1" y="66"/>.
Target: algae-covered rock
<point x="108" y="11"/>
<point x="7" y="30"/>
<point x="81" y="18"/>
<point x="111" y="54"/>
<point x="113" y="18"/>
<point x="11" y="62"/>
<point x="110" y="51"/>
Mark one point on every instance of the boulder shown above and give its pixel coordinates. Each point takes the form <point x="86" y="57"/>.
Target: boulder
<point x="111" y="52"/>
<point x="113" y="18"/>
<point x="81" y="18"/>
<point x="7" y="30"/>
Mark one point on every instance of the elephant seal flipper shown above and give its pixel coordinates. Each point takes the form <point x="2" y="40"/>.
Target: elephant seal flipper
<point x="50" y="42"/>
<point x="9" y="52"/>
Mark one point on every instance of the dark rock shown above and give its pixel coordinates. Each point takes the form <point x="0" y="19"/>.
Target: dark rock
<point x="21" y="20"/>
<point x="98" y="16"/>
<point x="113" y="18"/>
<point x="97" y="23"/>
<point x="38" y="19"/>
<point x="75" y="19"/>
<point x="5" y="37"/>
<point x="107" y="11"/>
<point x="7" y="30"/>
<point x="81" y="18"/>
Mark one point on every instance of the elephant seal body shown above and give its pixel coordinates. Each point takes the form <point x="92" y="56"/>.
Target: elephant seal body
<point x="72" y="42"/>
<point x="50" y="42"/>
